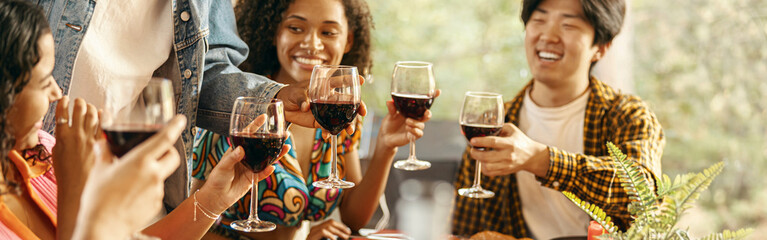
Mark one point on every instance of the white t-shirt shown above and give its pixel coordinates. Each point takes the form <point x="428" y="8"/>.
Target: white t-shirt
<point x="547" y="212"/>
<point x="125" y="43"/>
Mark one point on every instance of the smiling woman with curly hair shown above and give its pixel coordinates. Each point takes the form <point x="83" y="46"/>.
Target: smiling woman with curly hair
<point x="287" y="39"/>
<point x="258" y="22"/>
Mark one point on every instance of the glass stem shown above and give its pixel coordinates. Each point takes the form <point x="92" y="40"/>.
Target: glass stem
<point x="477" y="171"/>
<point x="412" y="151"/>
<point x="253" y="199"/>
<point x="333" y="156"/>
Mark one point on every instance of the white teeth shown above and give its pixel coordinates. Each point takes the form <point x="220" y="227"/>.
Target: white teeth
<point x="309" y="61"/>
<point x="549" y="55"/>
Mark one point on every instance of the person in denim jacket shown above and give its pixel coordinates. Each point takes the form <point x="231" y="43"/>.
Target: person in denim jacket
<point x="101" y="45"/>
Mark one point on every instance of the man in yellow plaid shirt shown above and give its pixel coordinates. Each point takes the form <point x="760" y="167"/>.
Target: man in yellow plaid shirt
<point x="556" y="130"/>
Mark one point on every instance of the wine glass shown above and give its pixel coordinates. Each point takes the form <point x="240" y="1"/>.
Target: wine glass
<point x="128" y="124"/>
<point x="262" y="145"/>
<point x="334" y="93"/>
<point x="412" y="89"/>
<point x="481" y="115"/>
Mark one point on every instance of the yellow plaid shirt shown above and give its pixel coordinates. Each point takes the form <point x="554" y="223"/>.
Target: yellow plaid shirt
<point x="610" y="116"/>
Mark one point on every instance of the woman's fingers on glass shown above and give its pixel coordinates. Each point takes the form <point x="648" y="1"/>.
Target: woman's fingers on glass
<point x="78" y="114"/>
<point x="285" y="150"/>
<point x="362" y="110"/>
<point x="351" y="128"/>
<point x="426" y="116"/>
<point x="415" y="123"/>
<point x="254" y="125"/>
<point x="362" y="80"/>
<point x="62" y="114"/>
<point x="101" y="151"/>
<point x="265" y="173"/>
<point x="99" y="131"/>
<point x="415" y="133"/>
<point x="91" y="121"/>
<point x="168" y="163"/>
<point x="325" y="133"/>
<point x="229" y="160"/>
<point x="390" y="107"/>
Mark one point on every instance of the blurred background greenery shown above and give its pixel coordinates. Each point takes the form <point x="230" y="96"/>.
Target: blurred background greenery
<point x="701" y="65"/>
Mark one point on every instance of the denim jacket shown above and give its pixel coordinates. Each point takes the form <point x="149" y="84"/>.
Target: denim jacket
<point x="206" y="45"/>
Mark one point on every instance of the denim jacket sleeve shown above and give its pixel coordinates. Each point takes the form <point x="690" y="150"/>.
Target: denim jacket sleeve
<point x="222" y="81"/>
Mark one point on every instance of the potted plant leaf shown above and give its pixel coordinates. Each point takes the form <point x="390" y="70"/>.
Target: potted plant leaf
<point x="655" y="213"/>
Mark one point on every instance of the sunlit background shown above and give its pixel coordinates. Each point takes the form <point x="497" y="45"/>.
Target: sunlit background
<point x="701" y="65"/>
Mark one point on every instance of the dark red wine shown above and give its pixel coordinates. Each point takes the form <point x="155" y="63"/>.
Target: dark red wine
<point x="123" y="138"/>
<point x="412" y="105"/>
<point x="261" y="150"/>
<point x="477" y="130"/>
<point x="334" y="117"/>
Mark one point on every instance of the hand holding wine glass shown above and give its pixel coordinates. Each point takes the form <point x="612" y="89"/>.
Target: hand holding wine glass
<point x="262" y="138"/>
<point x="297" y="106"/>
<point x="397" y="130"/>
<point x="123" y="196"/>
<point x="413" y="92"/>
<point x="335" y="97"/>
<point x="481" y="116"/>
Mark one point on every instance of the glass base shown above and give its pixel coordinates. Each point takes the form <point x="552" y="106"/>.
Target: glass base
<point x="475" y="192"/>
<point x="248" y="225"/>
<point x="412" y="165"/>
<point x="333" y="183"/>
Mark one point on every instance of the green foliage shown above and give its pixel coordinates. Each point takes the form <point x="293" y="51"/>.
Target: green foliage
<point x="594" y="212"/>
<point x="635" y="183"/>
<point x="656" y="216"/>
<point x="727" y="234"/>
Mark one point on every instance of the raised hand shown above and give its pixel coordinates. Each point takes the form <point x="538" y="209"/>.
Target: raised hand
<point x="73" y="153"/>
<point x="72" y="158"/>
<point x="229" y="180"/>
<point x="124" y="195"/>
<point x="397" y="130"/>
<point x="511" y="152"/>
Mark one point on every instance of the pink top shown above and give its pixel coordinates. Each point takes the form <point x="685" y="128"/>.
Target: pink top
<point x="40" y="180"/>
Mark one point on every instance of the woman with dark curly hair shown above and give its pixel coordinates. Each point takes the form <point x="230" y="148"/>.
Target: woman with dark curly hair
<point x="287" y="39"/>
<point x="28" y="189"/>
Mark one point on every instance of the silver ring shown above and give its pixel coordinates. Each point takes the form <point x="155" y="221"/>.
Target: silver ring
<point x="62" y="121"/>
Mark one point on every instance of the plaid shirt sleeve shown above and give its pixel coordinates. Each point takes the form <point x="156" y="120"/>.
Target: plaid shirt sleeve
<point x="630" y="125"/>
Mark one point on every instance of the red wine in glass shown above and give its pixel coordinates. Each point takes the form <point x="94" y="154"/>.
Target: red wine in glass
<point x="412" y="90"/>
<point x="128" y="124"/>
<point x="478" y="130"/>
<point x="261" y="150"/>
<point x="121" y="139"/>
<point x="258" y="126"/>
<point x="412" y="105"/>
<point x="481" y="116"/>
<point x="335" y="116"/>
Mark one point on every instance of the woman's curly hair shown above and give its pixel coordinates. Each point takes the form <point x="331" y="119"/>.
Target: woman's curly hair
<point x="22" y="25"/>
<point x="259" y="20"/>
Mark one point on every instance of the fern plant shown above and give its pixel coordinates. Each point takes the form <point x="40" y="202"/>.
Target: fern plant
<point x="655" y="215"/>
